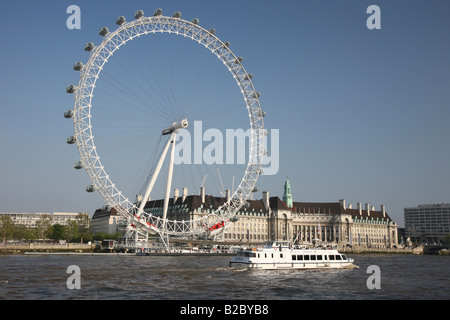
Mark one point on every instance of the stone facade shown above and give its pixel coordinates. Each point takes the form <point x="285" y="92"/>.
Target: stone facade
<point x="271" y="218"/>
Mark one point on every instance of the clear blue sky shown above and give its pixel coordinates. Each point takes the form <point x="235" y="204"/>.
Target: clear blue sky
<point x="363" y="114"/>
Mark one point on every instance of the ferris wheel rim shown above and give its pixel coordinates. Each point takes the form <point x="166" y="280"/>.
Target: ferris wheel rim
<point x="84" y="137"/>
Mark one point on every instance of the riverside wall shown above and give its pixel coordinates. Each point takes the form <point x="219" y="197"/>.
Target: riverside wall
<point x="78" y="247"/>
<point x="45" y="247"/>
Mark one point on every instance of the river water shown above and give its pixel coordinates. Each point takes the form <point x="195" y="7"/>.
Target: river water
<point x="44" y="277"/>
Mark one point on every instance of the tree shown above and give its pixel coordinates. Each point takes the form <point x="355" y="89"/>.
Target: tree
<point x="43" y="225"/>
<point x="71" y="230"/>
<point x="446" y="240"/>
<point x="6" y="228"/>
<point x="20" y="232"/>
<point x="83" y="222"/>
<point x="57" y="232"/>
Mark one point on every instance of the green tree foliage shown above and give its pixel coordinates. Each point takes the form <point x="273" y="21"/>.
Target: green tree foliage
<point x="57" y="232"/>
<point x="77" y="230"/>
<point x="446" y="240"/>
<point x="71" y="230"/>
<point x="83" y="223"/>
<point x="6" y="228"/>
<point x="43" y="226"/>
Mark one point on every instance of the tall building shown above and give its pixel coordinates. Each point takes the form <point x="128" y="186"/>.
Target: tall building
<point x="427" y="223"/>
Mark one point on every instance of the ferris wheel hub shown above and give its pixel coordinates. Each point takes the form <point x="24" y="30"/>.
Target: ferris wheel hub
<point x="183" y="124"/>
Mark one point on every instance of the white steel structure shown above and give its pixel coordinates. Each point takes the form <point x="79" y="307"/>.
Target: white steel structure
<point x="140" y="222"/>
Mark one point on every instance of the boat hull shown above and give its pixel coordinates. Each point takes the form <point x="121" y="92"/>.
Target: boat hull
<point x="286" y="266"/>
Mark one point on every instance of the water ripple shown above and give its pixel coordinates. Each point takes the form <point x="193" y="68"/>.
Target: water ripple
<point x="210" y="278"/>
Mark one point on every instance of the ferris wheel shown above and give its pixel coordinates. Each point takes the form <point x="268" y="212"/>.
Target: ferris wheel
<point x="163" y="116"/>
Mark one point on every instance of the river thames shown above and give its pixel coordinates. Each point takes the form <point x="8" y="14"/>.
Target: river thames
<point x="44" y="277"/>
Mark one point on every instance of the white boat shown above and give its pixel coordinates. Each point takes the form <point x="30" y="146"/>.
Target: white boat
<point x="279" y="255"/>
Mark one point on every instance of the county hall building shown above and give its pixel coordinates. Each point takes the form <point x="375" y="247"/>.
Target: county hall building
<point x="272" y="218"/>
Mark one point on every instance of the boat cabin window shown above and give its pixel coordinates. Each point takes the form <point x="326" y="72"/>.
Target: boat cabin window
<point x="306" y="257"/>
<point x="338" y="257"/>
<point x="319" y="257"/>
<point x="247" y="254"/>
<point x="331" y="257"/>
<point x="343" y="257"/>
<point x="313" y="257"/>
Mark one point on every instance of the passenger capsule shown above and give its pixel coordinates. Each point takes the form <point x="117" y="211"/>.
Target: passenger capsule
<point x="89" y="46"/>
<point x="255" y="189"/>
<point x="68" y="114"/>
<point x="256" y="95"/>
<point x="78" y="66"/>
<point x="157" y="12"/>
<point x="90" y="188"/>
<point x="195" y="21"/>
<point x="71" y="140"/>
<point x="262" y="113"/>
<point x="78" y="165"/>
<point x="120" y="20"/>
<point x="103" y="31"/>
<point x="212" y="31"/>
<point x="248" y="76"/>
<point x="238" y="60"/>
<point x="71" y="89"/>
<point x="139" y="14"/>
<point x="227" y="44"/>
<point x="177" y="14"/>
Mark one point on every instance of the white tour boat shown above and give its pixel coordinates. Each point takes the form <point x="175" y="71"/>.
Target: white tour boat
<point x="279" y="255"/>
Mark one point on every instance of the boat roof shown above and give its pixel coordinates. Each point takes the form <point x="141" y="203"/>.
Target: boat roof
<point x="272" y="244"/>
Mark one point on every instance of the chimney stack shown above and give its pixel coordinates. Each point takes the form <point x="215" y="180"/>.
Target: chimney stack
<point x="360" y="208"/>
<point x="185" y="193"/>
<point x="368" y="209"/>
<point x="228" y="195"/>
<point x="176" y="194"/>
<point x="383" y="210"/>
<point x="202" y="193"/>
<point x="266" y="199"/>
<point x="342" y="202"/>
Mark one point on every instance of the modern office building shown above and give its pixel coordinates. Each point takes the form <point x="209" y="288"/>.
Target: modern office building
<point x="427" y="223"/>
<point x="29" y="219"/>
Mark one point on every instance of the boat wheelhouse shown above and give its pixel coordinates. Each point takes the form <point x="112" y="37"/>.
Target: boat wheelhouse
<point x="280" y="255"/>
